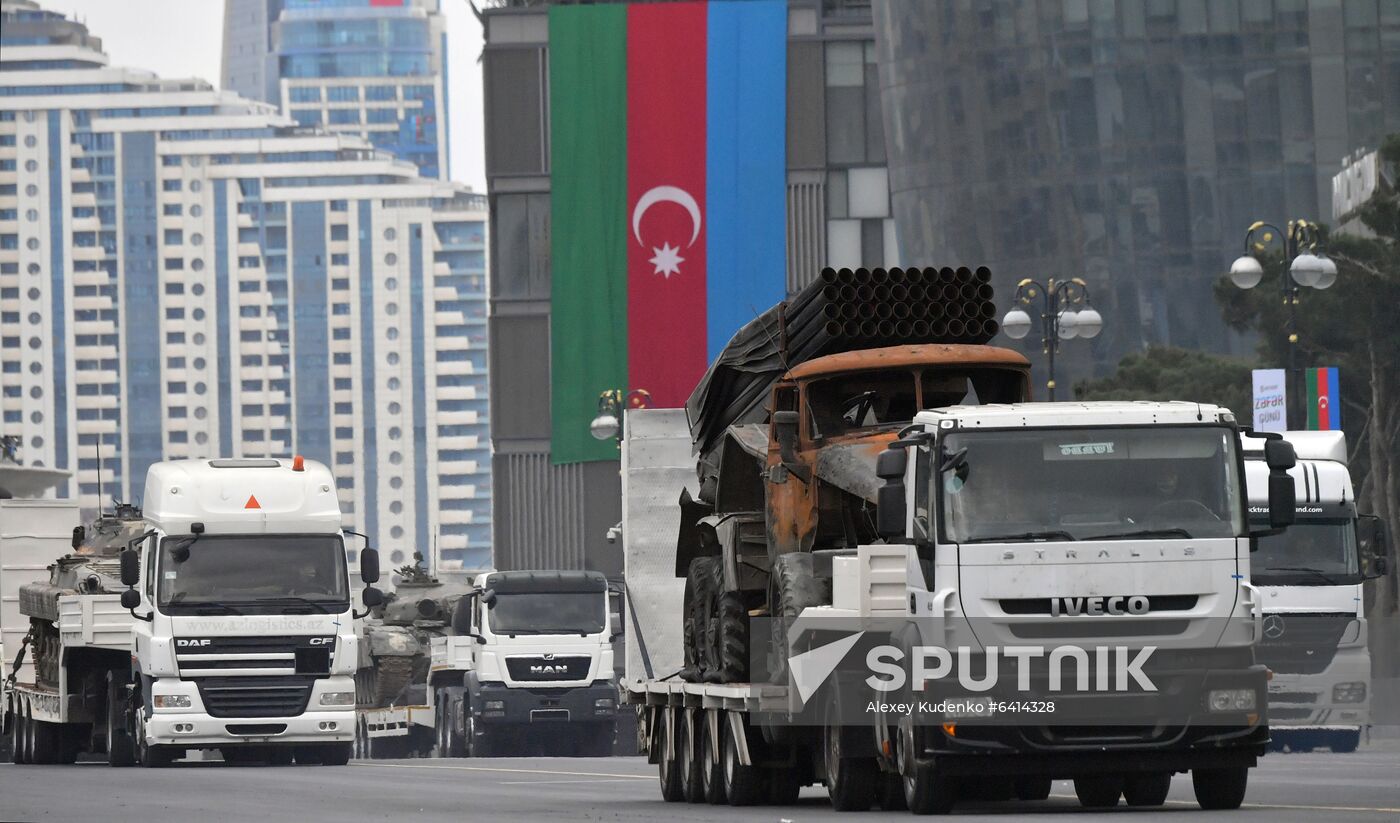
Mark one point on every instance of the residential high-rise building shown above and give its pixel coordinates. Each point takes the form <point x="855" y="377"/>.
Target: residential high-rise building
<point x="1130" y="144"/>
<point x="375" y="68"/>
<point x="838" y="213"/>
<point x="186" y="273"/>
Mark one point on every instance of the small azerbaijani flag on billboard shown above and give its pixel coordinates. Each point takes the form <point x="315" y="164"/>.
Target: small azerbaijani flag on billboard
<point x="1324" y="399"/>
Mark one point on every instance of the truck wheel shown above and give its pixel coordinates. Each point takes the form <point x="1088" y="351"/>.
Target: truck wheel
<point x="711" y="768"/>
<point x="361" y="749"/>
<point x="850" y="781"/>
<point x="688" y="762"/>
<point x="795" y="587"/>
<point x="23" y="748"/>
<point x="1098" y="791"/>
<point x="1033" y="788"/>
<point x="1147" y="789"/>
<point x="121" y="749"/>
<point x="926" y="791"/>
<point x="1220" y="789"/>
<point x="1344" y="742"/>
<point x="732" y="643"/>
<point x="743" y="785"/>
<point x="440" y="743"/>
<point x="150" y="757"/>
<point x="668" y="769"/>
<point x="452" y="709"/>
<point x="44" y="742"/>
<point x="699" y="593"/>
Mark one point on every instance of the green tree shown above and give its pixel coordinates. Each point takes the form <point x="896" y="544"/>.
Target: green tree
<point x="1166" y="373"/>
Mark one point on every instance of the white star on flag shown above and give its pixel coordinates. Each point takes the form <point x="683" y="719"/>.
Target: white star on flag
<point x="667" y="260"/>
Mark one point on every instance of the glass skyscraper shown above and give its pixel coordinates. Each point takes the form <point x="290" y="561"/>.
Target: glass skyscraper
<point x="186" y="273"/>
<point x="375" y="68"/>
<point x="1128" y="142"/>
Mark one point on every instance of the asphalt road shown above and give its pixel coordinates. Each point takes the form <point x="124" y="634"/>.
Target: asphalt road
<point x="1364" y="786"/>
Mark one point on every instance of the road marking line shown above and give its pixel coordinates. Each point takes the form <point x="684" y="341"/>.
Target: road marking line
<point x="1285" y="806"/>
<point x="515" y="771"/>
<point x="550" y="782"/>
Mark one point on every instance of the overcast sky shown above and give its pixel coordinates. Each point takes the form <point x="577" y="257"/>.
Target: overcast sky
<point x="184" y="38"/>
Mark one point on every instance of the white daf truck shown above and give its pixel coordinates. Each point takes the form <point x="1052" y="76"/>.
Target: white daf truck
<point x="235" y="631"/>
<point x="1311" y="578"/>
<point x="1045" y="531"/>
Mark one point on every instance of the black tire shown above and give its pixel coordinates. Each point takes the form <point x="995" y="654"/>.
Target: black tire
<point x="45" y="742"/>
<point x="1033" y="788"/>
<point x="1344" y="742"/>
<point x="1099" y="791"/>
<point x="732" y="652"/>
<point x="688" y="762"/>
<point x="121" y="749"/>
<point x="890" y="794"/>
<point x="1220" y="789"/>
<point x="1147" y="789"/>
<point x="150" y="757"/>
<point x="668" y="770"/>
<point x="850" y="781"/>
<point x="743" y="785"/>
<point x="795" y="586"/>
<point x="928" y="792"/>
<point x="456" y="740"/>
<point x="361" y="740"/>
<point x="699" y="596"/>
<point x="711" y="768"/>
<point x="440" y="731"/>
<point x="22" y="750"/>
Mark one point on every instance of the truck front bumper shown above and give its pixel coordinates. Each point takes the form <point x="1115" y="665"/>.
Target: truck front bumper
<point x="1337" y="698"/>
<point x="497" y="704"/>
<point x="196" y="730"/>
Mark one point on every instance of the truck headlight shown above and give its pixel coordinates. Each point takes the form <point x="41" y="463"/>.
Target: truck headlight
<point x="337" y="698"/>
<point x="171" y="701"/>
<point x="494" y="705"/>
<point x="1231" y="700"/>
<point x="603" y="703"/>
<point x="1354" y="692"/>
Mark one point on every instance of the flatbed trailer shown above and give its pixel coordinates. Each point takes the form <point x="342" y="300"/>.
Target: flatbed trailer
<point x="394" y="732"/>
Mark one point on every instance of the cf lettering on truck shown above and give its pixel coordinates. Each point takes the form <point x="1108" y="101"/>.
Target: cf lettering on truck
<point x="232" y="629"/>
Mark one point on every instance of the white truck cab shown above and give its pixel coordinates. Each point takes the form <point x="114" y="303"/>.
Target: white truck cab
<point x="530" y="656"/>
<point x="244" y="639"/>
<point x="1311" y="578"/>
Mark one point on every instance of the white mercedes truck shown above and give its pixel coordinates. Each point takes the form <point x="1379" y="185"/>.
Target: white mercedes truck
<point x="1311" y="579"/>
<point x="1061" y="591"/>
<point x="234" y="632"/>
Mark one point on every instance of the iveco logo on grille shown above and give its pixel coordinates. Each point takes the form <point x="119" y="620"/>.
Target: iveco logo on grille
<point x="1073" y="606"/>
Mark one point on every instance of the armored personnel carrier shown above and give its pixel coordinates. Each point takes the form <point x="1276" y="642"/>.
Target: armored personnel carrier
<point x="393" y="666"/>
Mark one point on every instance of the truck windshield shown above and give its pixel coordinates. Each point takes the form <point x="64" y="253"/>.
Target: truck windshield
<point x="252" y="574"/>
<point x="1308" y="553"/>
<point x="549" y="613"/>
<point x="1088" y="484"/>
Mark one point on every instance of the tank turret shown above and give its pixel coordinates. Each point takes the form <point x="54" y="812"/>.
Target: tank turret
<point x="394" y="654"/>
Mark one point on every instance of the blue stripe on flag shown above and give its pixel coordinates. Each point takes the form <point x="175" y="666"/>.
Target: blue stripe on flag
<point x="1334" y="400"/>
<point x="746" y="165"/>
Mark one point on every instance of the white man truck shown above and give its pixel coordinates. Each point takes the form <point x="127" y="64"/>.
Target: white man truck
<point x="235" y="630"/>
<point x="1110" y="538"/>
<point x="1311" y="578"/>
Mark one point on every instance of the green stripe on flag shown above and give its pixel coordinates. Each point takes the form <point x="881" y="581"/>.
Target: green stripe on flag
<point x="588" y="213"/>
<point x="1310" y="379"/>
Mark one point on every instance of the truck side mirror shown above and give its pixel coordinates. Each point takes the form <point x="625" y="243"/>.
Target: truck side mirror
<point x="369" y="565"/>
<point x="1283" y="499"/>
<point x="891" y="510"/>
<point x="1279" y="455"/>
<point x="785" y="432"/>
<point x="79" y="535"/>
<point x="371" y="596"/>
<point x="614" y="626"/>
<point x="488" y="596"/>
<point x="1371" y="539"/>
<point x="131" y="598"/>
<point x="462" y="616"/>
<point x="131" y="567"/>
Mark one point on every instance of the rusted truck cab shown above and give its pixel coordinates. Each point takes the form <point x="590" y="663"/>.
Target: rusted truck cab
<point x="831" y="416"/>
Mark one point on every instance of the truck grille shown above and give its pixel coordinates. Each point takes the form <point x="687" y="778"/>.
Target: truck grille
<point x="1289" y="714"/>
<point x="284" y="696"/>
<point x="1300" y="643"/>
<point x="253" y="656"/>
<point x="541" y="668"/>
<point x="1292" y="697"/>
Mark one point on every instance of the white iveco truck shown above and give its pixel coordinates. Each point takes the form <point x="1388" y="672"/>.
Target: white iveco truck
<point x="1117" y="529"/>
<point x="235" y="631"/>
<point x="1311" y="579"/>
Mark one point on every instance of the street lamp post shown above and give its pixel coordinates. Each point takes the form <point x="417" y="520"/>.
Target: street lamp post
<point x="1059" y="317"/>
<point x="1306" y="269"/>
<point x="611" y="404"/>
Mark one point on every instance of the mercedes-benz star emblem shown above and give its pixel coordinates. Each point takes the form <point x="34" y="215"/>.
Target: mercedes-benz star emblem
<point x="1273" y="626"/>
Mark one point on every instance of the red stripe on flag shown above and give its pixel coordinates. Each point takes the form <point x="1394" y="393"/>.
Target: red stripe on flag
<point x="666" y="199"/>
<point x="1324" y="402"/>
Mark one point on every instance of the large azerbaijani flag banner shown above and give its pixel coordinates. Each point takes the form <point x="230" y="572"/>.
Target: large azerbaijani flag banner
<point x="668" y="180"/>
<point x="1324" y="399"/>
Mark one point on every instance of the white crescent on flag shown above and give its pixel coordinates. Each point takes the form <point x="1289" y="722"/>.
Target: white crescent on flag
<point x="666" y="194"/>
